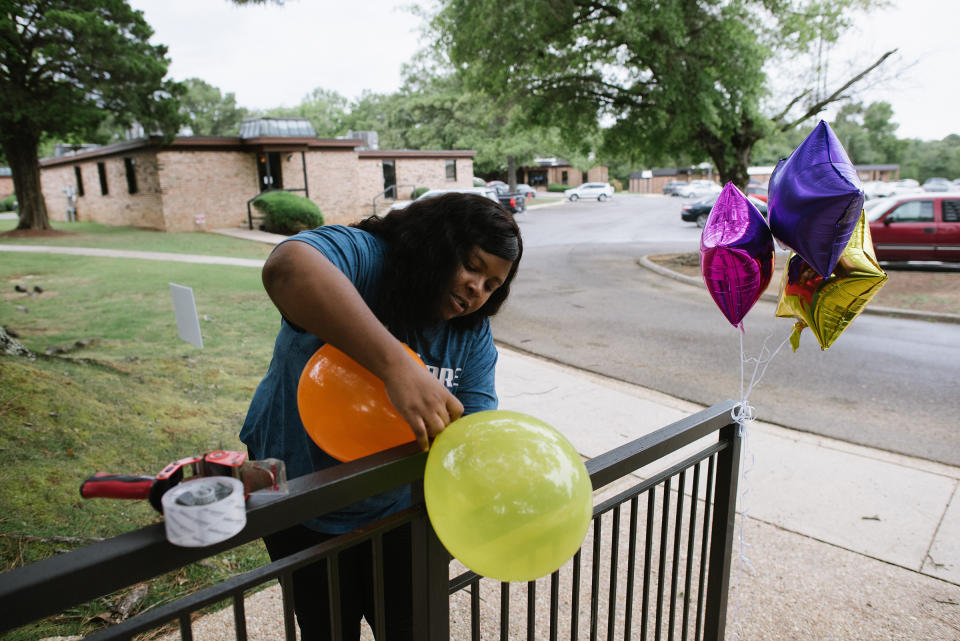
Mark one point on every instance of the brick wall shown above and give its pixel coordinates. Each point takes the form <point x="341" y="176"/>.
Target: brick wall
<point x="598" y="175"/>
<point x="206" y="190"/>
<point x="6" y="186"/>
<point x="432" y="173"/>
<point x="117" y="206"/>
<point x="334" y="181"/>
<point x="370" y="184"/>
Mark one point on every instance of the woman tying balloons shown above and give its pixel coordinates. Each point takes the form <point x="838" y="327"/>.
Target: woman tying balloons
<point x="428" y="276"/>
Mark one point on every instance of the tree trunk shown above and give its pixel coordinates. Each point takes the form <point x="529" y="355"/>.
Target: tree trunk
<point x="732" y="164"/>
<point x="735" y="173"/>
<point x="512" y="173"/>
<point x="21" y="150"/>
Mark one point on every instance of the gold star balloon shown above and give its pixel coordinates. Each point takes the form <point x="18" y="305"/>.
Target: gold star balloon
<point x="828" y="305"/>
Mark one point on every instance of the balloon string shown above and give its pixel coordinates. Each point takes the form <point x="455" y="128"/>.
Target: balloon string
<point x="741" y="413"/>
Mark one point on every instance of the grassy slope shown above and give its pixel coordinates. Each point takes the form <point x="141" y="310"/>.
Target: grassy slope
<point x="133" y="399"/>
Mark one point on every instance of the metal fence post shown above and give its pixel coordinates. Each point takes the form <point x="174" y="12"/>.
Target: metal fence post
<point x="721" y="541"/>
<point x="431" y="579"/>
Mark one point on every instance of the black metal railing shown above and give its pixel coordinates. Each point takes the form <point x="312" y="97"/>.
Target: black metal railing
<point x="678" y="483"/>
<point x="393" y="191"/>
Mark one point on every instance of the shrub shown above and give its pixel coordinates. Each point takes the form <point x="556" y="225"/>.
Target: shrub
<point x="556" y="187"/>
<point x="287" y="213"/>
<point x="616" y="184"/>
<point x="419" y="191"/>
<point x="9" y="203"/>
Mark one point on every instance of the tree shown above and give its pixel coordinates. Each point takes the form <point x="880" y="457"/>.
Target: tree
<point x="924" y="159"/>
<point x="207" y="112"/>
<point x="65" y="65"/>
<point x="435" y="110"/>
<point x="324" y="108"/>
<point x="677" y="78"/>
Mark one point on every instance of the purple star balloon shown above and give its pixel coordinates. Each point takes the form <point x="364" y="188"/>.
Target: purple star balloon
<point x="736" y="254"/>
<point x="815" y="200"/>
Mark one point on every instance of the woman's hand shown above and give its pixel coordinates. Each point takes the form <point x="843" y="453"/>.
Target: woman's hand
<point x="422" y="400"/>
<point x="313" y="294"/>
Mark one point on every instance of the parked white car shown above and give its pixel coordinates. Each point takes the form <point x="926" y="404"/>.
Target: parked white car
<point x="600" y="191"/>
<point x="699" y="189"/>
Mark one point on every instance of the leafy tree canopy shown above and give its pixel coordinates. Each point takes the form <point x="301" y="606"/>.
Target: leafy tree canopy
<point x="66" y="64"/>
<point x="664" y="79"/>
<point x="209" y="113"/>
<point x="435" y="110"/>
<point x="324" y="108"/>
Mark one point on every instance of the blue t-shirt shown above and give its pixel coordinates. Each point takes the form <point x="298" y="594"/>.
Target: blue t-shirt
<point x="463" y="360"/>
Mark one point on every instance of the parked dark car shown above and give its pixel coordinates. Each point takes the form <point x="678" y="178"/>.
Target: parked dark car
<point x="515" y="202"/>
<point x="699" y="210"/>
<point x="916" y="227"/>
<point x="527" y="190"/>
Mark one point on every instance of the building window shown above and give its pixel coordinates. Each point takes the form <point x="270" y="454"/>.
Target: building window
<point x="451" y="170"/>
<point x="389" y="179"/>
<point x="131" y="167"/>
<point x="79" y="176"/>
<point x="102" y="172"/>
<point x="563" y="178"/>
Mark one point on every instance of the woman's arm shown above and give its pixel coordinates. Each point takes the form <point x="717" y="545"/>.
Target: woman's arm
<point x="313" y="294"/>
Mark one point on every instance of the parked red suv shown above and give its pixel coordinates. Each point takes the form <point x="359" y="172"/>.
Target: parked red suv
<point x="916" y="226"/>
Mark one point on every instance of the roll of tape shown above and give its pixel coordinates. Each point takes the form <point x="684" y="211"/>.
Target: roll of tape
<point x="204" y="511"/>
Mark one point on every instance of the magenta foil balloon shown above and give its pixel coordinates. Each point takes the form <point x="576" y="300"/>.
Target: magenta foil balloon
<point x="815" y="200"/>
<point x="736" y="254"/>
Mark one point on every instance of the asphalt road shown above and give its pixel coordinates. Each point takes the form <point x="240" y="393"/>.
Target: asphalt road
<point x="581" y="298"/>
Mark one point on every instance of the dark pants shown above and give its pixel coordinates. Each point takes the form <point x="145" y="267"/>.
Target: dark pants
<point x="311" y="595"/>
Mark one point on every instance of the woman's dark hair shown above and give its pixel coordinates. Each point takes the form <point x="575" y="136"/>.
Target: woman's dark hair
<point x="427" y="242"/>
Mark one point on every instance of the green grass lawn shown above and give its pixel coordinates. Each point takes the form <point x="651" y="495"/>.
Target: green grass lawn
<point x="128" y="395"/>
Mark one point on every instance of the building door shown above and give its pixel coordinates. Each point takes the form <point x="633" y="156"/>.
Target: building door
<point x="269" y="170"/>
<point x="389" y="179"/>
<point x="537" y="177"/>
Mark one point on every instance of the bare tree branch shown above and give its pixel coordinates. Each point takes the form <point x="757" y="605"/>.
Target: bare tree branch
<point x="783" y="114"/>
<point x="836" y="95"/>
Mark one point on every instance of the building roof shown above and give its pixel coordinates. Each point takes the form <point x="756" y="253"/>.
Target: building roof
<point x="209" y="143"/>
<point x="416" y="153"/>
<point x="276" y="128"/>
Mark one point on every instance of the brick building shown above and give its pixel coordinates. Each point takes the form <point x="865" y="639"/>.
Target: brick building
<point x="6" y="182"/>
<point x="557" y="171"/>
<point x="201" y="182"/>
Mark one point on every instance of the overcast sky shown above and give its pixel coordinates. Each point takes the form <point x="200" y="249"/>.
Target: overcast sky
<point x="274" y="55"/>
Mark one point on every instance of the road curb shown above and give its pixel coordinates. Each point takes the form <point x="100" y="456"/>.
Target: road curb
<point x="939" y="317"/>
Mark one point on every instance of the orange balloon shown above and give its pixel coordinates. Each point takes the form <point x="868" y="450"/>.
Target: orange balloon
<point x="345" y="408"/>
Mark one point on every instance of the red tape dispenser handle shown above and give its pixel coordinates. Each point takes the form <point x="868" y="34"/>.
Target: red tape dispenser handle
<point x="117" y="486"/>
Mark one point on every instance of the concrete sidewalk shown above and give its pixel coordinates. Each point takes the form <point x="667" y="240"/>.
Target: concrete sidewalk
<point x="843" y="542"/>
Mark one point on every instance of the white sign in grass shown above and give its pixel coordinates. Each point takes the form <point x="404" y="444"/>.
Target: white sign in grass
<point x="188" y="325"/>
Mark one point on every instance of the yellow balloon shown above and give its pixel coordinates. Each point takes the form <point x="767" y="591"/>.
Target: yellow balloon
<point x="507" y="495"/>
<point x="828" y="305"/>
